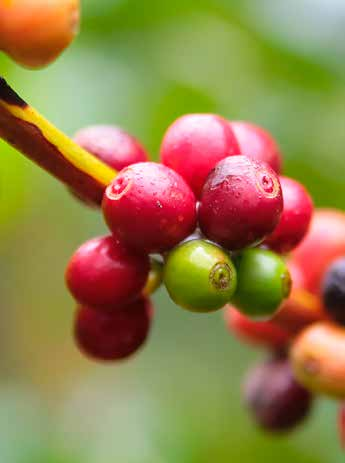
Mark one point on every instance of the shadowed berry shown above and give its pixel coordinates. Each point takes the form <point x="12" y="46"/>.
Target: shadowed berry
<point x="324" y="242"/>
<point x="113" y="335"/>
<point x="35" y="32"/>
<point x="241" y="203"/>
<point x="103" y="273"/>
<point x="295" y="219"/>
<point x="256" y="143"/>
<point x="299" y="310"/>
<point x="199" y="276"/>
<point x="194" y="144"/>
<point x="333" y="290"/>
<point x="266" y="334"/>
<point x="263" y="282"/>
<point x="150" y="207"/>
<point x="274" y="398"/>
<point x="318" y="359"/>
<point x="111" y="145"/>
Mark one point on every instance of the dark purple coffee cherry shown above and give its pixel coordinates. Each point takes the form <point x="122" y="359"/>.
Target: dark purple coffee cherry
<point x="274" y="398"/>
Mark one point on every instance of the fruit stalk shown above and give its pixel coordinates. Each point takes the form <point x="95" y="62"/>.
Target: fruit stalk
<point x="36" y="138"/>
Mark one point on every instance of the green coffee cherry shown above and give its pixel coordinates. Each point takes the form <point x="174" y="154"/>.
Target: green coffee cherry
<point x="263" y="282"/>
<point x="199" y="276"/>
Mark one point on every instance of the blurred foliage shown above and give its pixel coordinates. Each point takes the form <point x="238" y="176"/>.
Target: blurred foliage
<point x="140" y="64"/>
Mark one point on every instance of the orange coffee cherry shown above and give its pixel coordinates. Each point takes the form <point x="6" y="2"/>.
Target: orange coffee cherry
<point x="318" y="359"/>
<point x="35" y="32"/>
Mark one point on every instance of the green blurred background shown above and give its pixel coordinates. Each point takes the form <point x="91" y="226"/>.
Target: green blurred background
<point x="140" y="64"/>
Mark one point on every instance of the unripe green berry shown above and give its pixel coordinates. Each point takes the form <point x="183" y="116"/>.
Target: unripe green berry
<point x="263" y="282"/>
<point x="199" y="276"/>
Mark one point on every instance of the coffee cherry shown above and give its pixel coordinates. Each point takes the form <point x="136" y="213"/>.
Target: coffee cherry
<point x="295" y="219"/>
<point x="324" y="242"/>
<point x="111" y="145"/>
<point x="265" y="334"/>
<point x="113" y="335"/>
<point x="194" y="144"/>
<point x="34" y="33"/>
<point x="150" y="207"/>
<point x="103" y="273"/>
<point x="299" y="310"/>
<point x="263" y="282"/>
<point x="318" y="359"/>
<point x="241" y="203"/>
<point x="333" y="290"/>
<point x="258" y="144"/>
<point x="274" y="398"/>
<point x="199" y="276"/>
<point x="155" y="278"/>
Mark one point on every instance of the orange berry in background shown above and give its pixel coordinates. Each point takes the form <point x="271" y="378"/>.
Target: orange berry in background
<point x="318" y="359"/>
<point x="301" y="309"/>
<point x="35" y="32"/>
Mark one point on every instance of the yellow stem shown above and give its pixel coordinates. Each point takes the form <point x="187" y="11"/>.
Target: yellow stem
<point x="35" y="137"/>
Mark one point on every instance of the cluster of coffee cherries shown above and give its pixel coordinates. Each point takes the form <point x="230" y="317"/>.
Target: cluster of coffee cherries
<point x="222" y="228"/>
<point x="305" y="337"/>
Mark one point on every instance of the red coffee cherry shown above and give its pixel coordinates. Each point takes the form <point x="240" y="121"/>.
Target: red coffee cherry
<point x="194" y="144"/>
<point x="113" y="335"/>
<point x="295" y="219"/>
<point x="111" y="145"/>
<point x="103" y="273"/>
<point x="324" y="242"/>
<point x="265" y="334"/>
<point x="150" y="207"/>
<point x="241" y="203"/>
<point x="256" y="143"/>
<point x="274" y="398"/>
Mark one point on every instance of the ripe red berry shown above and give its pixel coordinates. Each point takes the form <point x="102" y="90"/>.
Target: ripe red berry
<point x="295" y="219"/>
<point x="256" y="143"/>
<point x="103" y="273"/>
<point x="150" y="207"/>
<point x="113" y="335"/>
<point x="241" y="203"/>
<point x="264" y="333"/>
<point x="275" y="399"/>
<point x="111" y="145"/>
<point x="324" y="242"/>
<point x="194" y="144"/>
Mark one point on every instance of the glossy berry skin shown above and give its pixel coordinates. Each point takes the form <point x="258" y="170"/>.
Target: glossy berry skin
<point x="241" y="203"/>
<point x="324" y="242"/>
<point x="103" y="273"/>
<point x="333" y="291"/>
<point x="258" y="144"/>
<point x="318" y="359"/>
<point x="263" y="283"/>
<point x="114" y="335"/>
<point x="35" y="32"/>
<point x="199" y="276"/>
<point x="265" y="334"/>
<point x="295" y="219"/>
<point x="150" y="207"/>
<point x="110" y="144"/>
<point x="275" y="399"/>
<point x="194" y="144"/>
